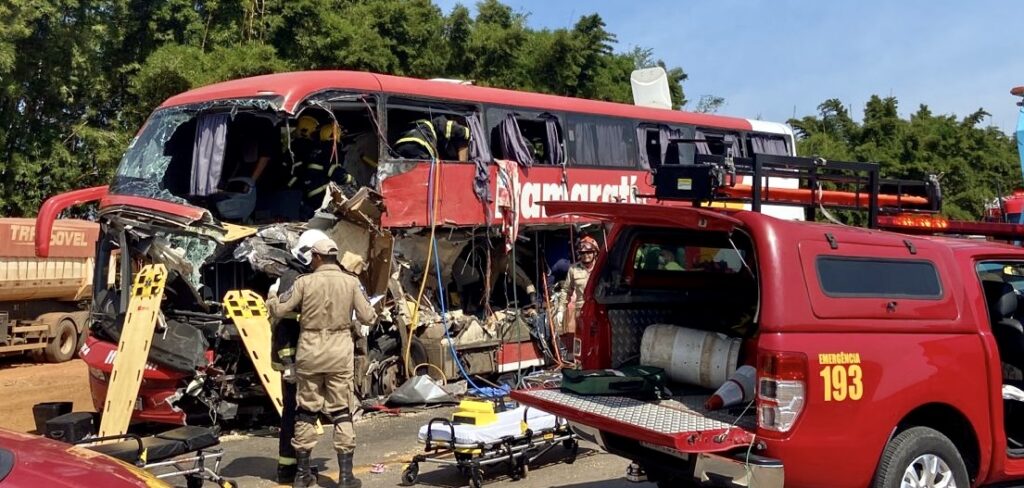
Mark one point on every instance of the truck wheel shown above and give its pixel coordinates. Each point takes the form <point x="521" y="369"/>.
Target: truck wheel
<point x="64" y="342"/>
<point x="921" y="456"/>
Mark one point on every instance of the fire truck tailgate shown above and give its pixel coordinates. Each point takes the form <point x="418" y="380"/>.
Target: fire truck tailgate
<point x="667" y="423"/>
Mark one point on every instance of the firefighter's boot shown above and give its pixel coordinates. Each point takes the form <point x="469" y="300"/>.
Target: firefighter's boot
<point x="303" y="475"/>
<point x="286" y="473"/>
<point x="347" y="479"/>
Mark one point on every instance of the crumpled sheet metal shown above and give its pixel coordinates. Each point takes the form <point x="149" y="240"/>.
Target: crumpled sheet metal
<point x="420" y="390"/>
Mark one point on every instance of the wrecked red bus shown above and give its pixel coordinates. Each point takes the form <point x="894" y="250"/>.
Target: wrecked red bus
<point x="221" y="179"/>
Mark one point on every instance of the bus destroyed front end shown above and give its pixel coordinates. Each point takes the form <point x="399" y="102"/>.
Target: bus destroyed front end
<point x="219" y="194"/>
<point x="198" y="370"/>
<point x="189" y="195"/>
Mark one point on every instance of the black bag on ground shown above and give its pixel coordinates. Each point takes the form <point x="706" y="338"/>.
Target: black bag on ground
<point x="645" y="382"/>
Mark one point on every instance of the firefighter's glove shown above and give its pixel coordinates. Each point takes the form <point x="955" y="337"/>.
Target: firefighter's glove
<point x="288" y="375"/>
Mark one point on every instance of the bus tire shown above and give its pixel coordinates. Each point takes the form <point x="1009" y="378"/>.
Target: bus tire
<point x="63" y="343"/>
<point x="920" y="453"/>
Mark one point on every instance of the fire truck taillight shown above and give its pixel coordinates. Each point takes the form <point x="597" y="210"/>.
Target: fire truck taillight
<point x="781" y="389"/>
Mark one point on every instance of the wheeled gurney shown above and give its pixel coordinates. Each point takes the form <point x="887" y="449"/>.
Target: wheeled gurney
<point x="517" y="437"/>
<point x="188" y="451"/>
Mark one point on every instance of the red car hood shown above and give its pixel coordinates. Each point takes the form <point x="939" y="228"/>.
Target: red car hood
<point x="38" y="461"/>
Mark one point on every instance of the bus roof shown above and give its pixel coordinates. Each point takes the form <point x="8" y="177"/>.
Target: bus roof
<point x="294" y="87"/>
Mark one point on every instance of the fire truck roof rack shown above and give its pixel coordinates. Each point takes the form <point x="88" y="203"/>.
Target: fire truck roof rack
<point x="825" y="183"/>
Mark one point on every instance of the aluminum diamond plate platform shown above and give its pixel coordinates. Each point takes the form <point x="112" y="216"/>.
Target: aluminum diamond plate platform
<point x="681" y="425"/>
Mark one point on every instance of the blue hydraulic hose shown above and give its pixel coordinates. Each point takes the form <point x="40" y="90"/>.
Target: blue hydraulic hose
<point x="440" y="282"/>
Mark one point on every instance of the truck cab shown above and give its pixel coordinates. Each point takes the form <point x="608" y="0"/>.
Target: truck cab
<point x="881" y="358"/>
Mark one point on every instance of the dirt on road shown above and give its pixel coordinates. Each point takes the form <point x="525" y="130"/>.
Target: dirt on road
<point x="23" y="385"/>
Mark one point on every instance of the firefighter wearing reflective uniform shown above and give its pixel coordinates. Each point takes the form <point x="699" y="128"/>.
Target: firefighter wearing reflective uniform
<point x="326" y="300"/>
<point x="437" y="138"/>
<point x="283" y="340"/>
<point x="576" y="282"/>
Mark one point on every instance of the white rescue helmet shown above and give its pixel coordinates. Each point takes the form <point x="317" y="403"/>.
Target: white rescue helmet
<point x="303" y="250"/>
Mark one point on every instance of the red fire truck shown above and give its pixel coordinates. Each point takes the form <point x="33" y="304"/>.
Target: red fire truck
<point x="219" y="180"/>
<point x="882" y="359"/>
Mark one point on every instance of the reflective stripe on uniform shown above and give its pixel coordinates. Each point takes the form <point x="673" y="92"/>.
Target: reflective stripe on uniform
<point x="334" y="167"/>
<point x="417" y="140"/>
<point x="292" y="181"/>
<point x="316" y="191"/>
<point x="317" y="167"/>
<point x="285" y="461"/>
<point x="286" y="352"/>
<point x="368" y="161"/>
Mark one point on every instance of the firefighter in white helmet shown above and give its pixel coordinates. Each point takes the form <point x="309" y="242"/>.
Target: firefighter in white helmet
<point x="326" y="300"/>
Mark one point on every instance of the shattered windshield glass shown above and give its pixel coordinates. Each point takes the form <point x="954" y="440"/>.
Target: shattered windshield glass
<point x="143" y="168"/>
<point x="159" y="161"/>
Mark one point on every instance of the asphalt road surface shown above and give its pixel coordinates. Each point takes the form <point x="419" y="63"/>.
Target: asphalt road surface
<point x="251" y="460"/>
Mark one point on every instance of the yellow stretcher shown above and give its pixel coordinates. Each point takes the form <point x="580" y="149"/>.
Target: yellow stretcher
<point x="476" y="438"/>
<point x="133" y="349"/>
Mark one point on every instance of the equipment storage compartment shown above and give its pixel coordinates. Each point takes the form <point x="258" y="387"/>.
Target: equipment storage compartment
<point x="685" y="300"/>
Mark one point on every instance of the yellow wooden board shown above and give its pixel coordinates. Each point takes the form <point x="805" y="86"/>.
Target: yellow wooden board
<point x="133" y="349"/>
<point x="249" y="313"/>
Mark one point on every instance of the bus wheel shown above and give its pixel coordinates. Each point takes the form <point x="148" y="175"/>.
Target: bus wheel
<point x="63" y="343"/>
<point x="921" y="456"/>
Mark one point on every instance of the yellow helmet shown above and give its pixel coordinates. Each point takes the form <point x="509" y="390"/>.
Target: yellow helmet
<point x="331" y="131"/>
<point x="305" y="127"/>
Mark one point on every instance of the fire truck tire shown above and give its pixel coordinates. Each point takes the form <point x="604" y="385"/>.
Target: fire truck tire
<point x="924" y="454"/>
<point x="64" y="342"/>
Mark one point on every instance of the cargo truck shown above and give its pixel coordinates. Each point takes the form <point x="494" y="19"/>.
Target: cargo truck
<point x="41" y="299"/>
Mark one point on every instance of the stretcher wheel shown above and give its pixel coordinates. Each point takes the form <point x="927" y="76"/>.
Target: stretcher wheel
<point x="410" y="474"/>
<point x="476" y="478"/>
<point x="194" y="481"/>
<point x="523" y="468"/>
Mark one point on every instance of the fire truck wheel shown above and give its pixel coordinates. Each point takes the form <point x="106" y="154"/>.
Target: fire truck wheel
<point x="921" y="456"/>
<point x="64" y="342"/>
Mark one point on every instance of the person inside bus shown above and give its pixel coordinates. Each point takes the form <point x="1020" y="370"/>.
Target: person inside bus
<point x="437" y="138"/>
<point x="252" y="144"/>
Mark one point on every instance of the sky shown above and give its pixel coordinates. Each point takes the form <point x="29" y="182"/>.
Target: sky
<point x="774" y="60"/>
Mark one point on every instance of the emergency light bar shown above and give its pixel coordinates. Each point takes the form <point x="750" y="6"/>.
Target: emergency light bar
<point x="833" y="184"/>
<point x="921" y="225"/>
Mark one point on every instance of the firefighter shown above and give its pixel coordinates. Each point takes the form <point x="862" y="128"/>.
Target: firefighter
<point x="284" y="339"/>
<point x="326" y="300"/>
<point x="576" y="282"/>
<point x="308" y="169"/>
<point x="437" y="138"/>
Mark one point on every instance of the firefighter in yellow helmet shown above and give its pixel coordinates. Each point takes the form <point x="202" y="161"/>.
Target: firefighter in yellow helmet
<point x="327" y="299"/>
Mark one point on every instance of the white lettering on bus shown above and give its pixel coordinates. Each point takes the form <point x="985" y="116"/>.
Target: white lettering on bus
<point x="531" y="194"/>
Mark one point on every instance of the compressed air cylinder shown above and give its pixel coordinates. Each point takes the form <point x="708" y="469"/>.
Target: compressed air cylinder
<point x="690" y="356"/>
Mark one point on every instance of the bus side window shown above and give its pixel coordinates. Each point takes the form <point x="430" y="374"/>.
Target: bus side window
<point x="663" y="144"/>
<point x="601" y="141"/>
<point x="527" y="138"/>
<point x="420" y="130"/>
<point x="719" y="143"/>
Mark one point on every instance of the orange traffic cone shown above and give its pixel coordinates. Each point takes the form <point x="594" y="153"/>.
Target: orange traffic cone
<point x="739" y="388"/>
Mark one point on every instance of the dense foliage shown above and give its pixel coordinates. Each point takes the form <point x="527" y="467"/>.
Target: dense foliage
<point x="77" y="78"/>
<point x="975" y="163"/>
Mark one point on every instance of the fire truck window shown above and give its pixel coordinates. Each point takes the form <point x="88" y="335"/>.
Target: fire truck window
<point x="860" y="278"/>
<point x="601" y="141"/>
<point x="677" y="258"/>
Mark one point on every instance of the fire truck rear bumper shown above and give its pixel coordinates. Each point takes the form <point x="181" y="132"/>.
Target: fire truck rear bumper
<point x="738" y="470"/>
<point x="732" y="469"/>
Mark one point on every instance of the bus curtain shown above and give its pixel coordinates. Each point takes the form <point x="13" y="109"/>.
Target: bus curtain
<point x="556" y="154"/>
<point x="513" y="144"/>
<point x="769" y="145"/>
<point x="208" y="153"/>
<point x="481" y="156"/>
